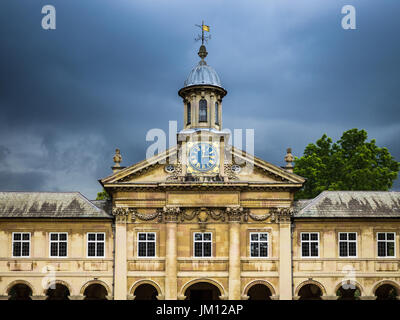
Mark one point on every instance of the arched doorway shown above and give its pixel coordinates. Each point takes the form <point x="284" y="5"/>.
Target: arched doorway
<point x="202" y="291"/>
<point x="20" y="291"/>
<point x="386" y="292"/>
<point x="95" y="291"/>
<point x="310" y="292"/>
<point x="145" y="291"/>
<point x="259" y="292"/>
<point x="348" y="292"/>
<point x="57" y="292"/>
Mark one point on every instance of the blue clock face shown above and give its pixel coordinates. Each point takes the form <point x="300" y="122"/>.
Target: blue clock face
<point x="203" y="157"/>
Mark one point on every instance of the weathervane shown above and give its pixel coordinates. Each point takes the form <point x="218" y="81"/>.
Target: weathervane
<point x="202" y="37"/>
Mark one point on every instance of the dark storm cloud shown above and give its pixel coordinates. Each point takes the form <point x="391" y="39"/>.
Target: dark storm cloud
<point x="111" y="71"/>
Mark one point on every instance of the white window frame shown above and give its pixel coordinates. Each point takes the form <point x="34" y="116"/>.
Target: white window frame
<point x="377" y="246"/>
<point x="202" y="241"/>
<point x="22" y="241"/>
<point x="347" y="241"/>
<point x="147" y="241"/>
<point x="95" y="241"/>
<point x="258" y="241"/>
<point x="309" y="241"/>
<point x="58" y="241"/>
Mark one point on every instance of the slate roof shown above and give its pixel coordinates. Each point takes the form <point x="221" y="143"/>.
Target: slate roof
<point x="48" y="205"/>
<point x="350" y="204"/>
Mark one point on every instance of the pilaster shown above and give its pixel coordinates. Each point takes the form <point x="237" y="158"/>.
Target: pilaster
<point x="120" y="263"/>
<point x="171" y="215"/>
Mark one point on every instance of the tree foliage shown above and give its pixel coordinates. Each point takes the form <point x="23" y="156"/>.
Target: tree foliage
<point x="351" y="163"/>
<point x="103" y="195"/>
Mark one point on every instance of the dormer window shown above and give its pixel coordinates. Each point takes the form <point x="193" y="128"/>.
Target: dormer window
<point x="189" y="113"/>
<point x="216" y="113"/>
<point x="203" y="110"/>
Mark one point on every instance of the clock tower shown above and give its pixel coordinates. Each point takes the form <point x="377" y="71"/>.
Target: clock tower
<point x="201" y="143"/>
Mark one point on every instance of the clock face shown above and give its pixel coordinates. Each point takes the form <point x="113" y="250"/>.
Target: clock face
<point x="203" y="157"/>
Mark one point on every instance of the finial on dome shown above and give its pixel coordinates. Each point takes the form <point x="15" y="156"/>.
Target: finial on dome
<point x="202" y="52"/>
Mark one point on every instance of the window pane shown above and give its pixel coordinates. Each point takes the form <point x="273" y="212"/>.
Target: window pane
<point x="264" y="236"/>
<point x="314" y="236"/>
<point x="390" y="249"/>
<point x="198" y="252"/>
<point x="100" y="236"/>
<point x="151" y="249"/>
<point x="54" y="236"/>
<point x="203" y="110"/>
<point x="62" y="249"/>
<point x="198" y="236"/>
<point x="216" y="113"/>
<point x="53" y="249"/>
<point x="91" y="236"/>
<point x="207" y="236"/>
<point x="91" y="249"/>
<point x="254" y="249"/>
<point x="305" y="236"/>
<point x="189" y="113"/>
<point x="390" y="236"/>
<point x="207" y="249"/>
<point x="314" y="249"/>
<point x="100" y="249"/>
<point x="381" y="249"/>
<point x="381" y="236"/>
<point x="142" y="249"/>
<point x="25" y="236"/>
<point x="142" y="236"/>
<point x="17" y="249"/>
<point x="343" y="249"/>
<point x="343" y="236"/>
<point x="63" y="236"/>
<point x="25" y="249"/>
<point x="17" y="236"/>
<point x="151" y="236"/>
<point x="263" y="249"/>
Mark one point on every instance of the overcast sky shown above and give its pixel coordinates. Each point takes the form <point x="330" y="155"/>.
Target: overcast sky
<point x="111" y="71"/>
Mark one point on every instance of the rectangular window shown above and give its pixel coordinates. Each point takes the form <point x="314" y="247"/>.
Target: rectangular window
<point x="309" y="244"/>
<point x="58" y="244"/>
<point x="146" y="244"/>
<point x="96" y="245"/>
<point x="259" y="244"/>
<point x="202" y="244"/>
<point x="189" y="113"/>
<point x="386" y="244"/>
<point x="21" y="243"/>
<point x="216" y="113"/>
<point x="347" y="244"/>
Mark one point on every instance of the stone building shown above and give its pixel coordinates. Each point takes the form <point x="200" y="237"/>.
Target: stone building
<point x="202" y="220"/>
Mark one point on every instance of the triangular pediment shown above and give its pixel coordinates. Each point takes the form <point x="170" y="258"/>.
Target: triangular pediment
<point x="253" y="171"/>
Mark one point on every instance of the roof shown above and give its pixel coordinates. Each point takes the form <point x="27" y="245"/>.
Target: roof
<point x="202" y="74"/>
<point x="48" y="205"/>
<point x="350" y="204"/>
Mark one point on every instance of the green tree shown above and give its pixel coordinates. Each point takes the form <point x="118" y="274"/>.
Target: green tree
<point x="351" y="163"/>
<point x="103" y="195"/>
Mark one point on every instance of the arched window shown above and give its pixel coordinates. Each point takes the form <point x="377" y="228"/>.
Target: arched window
<point x="189" y="113"/>
<point x="216" y="113"/>
<point x="203" y="110"/>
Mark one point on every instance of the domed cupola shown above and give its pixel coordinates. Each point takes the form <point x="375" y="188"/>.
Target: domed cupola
<point x="202" y="95"/>
<point x="203" y="73"/>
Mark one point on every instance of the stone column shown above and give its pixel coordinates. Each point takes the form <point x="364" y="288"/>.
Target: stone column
<point x="120" y="263"/>
<point x="171" y="219"/>
<point x="234" y="216"/>
<point x="285" y="254"/>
